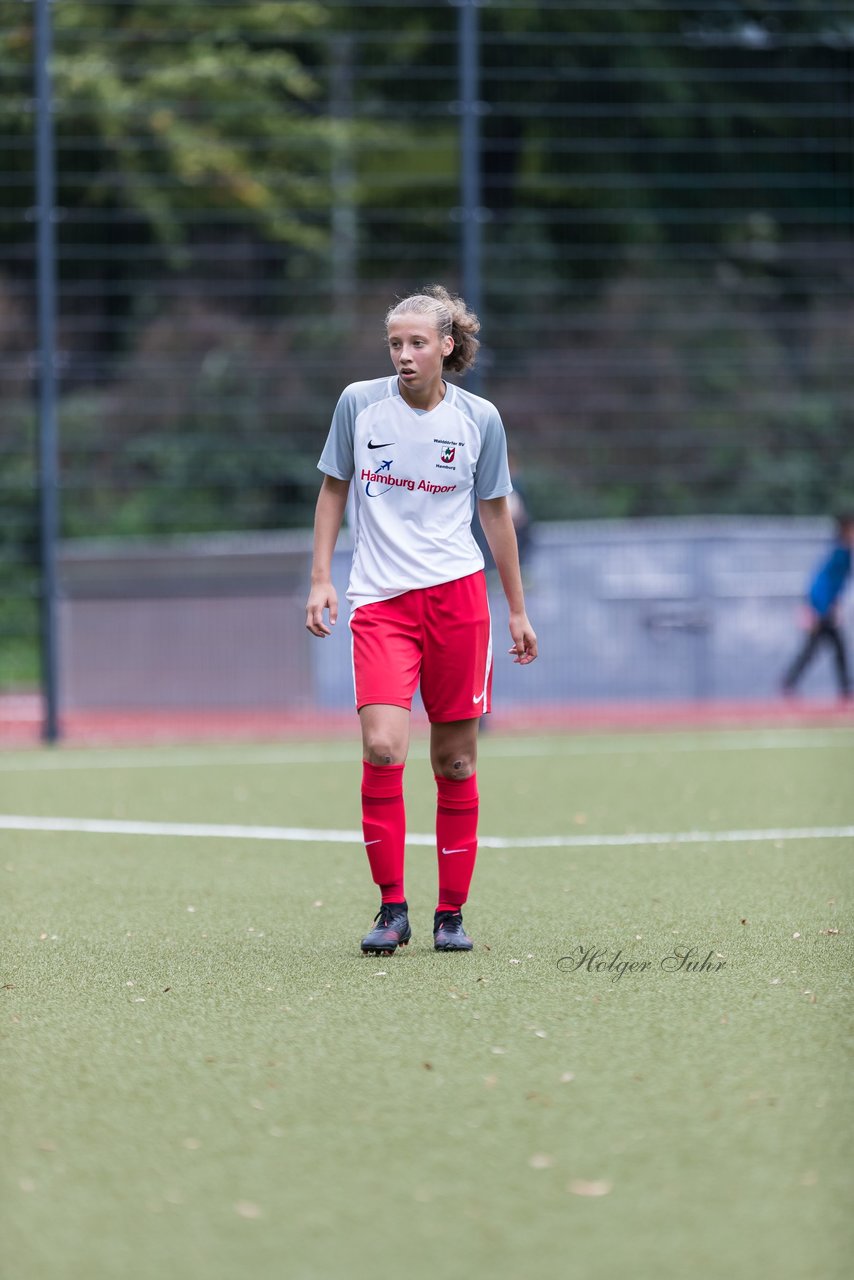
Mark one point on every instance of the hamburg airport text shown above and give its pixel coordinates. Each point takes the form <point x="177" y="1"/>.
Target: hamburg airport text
<point x="384" y="477"/>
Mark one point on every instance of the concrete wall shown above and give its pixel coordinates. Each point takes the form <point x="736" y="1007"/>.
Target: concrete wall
<point x="185" y="623"/>
<point x="625" y="610"/>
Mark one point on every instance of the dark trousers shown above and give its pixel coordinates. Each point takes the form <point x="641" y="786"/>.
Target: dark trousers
<point x="823" y="630"/>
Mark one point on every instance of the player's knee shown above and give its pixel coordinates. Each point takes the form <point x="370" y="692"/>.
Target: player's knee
<point x="382" y="750"/>
<point x="458" y="765"/>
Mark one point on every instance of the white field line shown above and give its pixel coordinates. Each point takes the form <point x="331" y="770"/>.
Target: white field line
<point x="226" y="831"/>
<point x="313" y="754"/>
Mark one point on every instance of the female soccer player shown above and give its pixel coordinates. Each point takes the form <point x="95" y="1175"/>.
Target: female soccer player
<point x="418" y="451"/>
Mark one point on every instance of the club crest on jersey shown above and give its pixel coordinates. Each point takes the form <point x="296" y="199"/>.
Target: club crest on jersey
<point x="448" y="453"/>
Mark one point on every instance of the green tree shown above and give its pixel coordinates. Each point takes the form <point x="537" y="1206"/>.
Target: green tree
<point x="166" y="113"/>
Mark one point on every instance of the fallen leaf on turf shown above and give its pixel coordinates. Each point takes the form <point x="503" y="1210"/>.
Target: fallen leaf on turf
<point x="541" y="1161"/>
<point x="567" y="1077"/>
<point x="428" y="1066"/>
<point x="580" y="1187"/>
<point x="796" y="935"/>
<point x="246" y="1209"/>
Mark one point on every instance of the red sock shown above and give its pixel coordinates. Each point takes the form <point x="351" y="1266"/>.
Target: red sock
<point x="384" y="826"/>
<point x="456" y="839"/>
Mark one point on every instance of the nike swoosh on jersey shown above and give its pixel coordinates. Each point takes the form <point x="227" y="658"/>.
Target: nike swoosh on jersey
<point x="465" y="850"/>
<point x="387" y="445"/>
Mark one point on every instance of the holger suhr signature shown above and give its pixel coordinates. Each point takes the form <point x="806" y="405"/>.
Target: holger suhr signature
<point x="680" y="960"/>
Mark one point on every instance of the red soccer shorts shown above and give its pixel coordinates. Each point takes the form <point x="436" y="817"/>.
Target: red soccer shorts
<point x="439" y="636"/>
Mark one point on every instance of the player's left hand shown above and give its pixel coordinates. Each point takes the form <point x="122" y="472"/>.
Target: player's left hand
<point x="524" y="639"/>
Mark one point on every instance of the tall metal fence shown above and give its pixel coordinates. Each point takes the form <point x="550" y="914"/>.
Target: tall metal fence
<point x="661" y="236"/>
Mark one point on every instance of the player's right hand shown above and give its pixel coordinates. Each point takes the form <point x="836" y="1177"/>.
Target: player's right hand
<point x="322" y="596"/>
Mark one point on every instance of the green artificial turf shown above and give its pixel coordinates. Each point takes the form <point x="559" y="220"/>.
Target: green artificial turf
<point x="202" y="1077"/>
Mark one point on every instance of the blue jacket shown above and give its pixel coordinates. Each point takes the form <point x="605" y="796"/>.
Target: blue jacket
<point x="830" y="578"/>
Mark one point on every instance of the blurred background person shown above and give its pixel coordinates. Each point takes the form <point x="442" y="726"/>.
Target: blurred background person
<point x="823" y="624"/>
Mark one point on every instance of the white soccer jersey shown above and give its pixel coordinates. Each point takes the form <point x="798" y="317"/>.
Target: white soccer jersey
<point x="416" y="475"/>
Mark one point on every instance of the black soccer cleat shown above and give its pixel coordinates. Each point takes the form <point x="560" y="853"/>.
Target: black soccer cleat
<point x="391" y="930"/>
<point x="448" y="932"/>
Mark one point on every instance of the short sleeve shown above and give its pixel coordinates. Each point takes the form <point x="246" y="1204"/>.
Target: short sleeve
<point x="492" y="475"/>
<point x="337" y="457"/>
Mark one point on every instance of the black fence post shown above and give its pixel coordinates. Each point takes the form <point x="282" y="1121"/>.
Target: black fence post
<point x="470" y="109"/>
<point x="47" y="416"/>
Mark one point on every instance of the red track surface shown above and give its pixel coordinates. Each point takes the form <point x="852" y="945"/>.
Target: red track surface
<point x="20" y="721"/>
